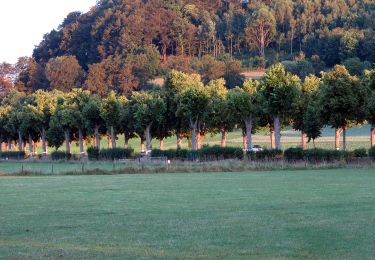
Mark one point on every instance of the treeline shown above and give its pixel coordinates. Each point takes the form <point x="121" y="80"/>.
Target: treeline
<point x="187" y="108"/>
<point x="120" y="45"/>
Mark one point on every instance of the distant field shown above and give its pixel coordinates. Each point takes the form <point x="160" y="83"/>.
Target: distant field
<point x="357" y="138"/>
<point x="327" y="214"/>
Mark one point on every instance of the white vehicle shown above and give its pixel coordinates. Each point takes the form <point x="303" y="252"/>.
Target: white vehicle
<point x="255" y="148"/>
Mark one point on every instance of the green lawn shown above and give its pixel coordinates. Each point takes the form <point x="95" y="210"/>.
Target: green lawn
<point x="286" y="214"/>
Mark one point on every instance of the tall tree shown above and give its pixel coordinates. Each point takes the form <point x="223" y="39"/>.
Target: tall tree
<point x="261" y="28"/>
<point x="64" y="73"/>
<point x="279" y="92"/>
<point x="340" y="101"/>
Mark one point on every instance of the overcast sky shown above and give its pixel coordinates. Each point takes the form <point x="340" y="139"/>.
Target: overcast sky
<point x="24" y="22"/>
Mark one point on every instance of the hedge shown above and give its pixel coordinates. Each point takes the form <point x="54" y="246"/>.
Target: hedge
<point x="318" y="155"/>
<point x="206" y="153"/>
<point x="59" y="156"/>
<point x="110" y="154"/>
<point x="13" y="155"/>
<point x="266" y="154"/>
<point x="371" y="152"/>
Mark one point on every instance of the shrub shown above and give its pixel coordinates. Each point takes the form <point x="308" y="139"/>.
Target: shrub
<point x="59" y="155"/>
<point x="267" y="154"/>
<point x="93" y="153"/>
<point x="318" y="155"/>
<point x="294" y="154"/>
<point x="360" y="153"/>
<point x="116" y="154"/>
<point x="13" y="155"/>
<point x="217" y="153"/>
<point x="371" y="152"/>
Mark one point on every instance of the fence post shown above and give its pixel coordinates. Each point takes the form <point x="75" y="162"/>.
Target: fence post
<point x="52" y="168"/>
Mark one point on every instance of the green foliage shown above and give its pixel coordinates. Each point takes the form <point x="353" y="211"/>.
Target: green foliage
<point x="360" y="153"/>
<point x="179" y="154"/>
<point x="93" y="153"/>
<point x="322" y="155"/>
<point x="59" y="156"/>
<point x="219" y="153"/>
<point x="266" y="154"/>
<point x="371" y="152"/>
<point x="10" y="155"/>
<point x="294" y="154"/>
<point x="116" y="154"/>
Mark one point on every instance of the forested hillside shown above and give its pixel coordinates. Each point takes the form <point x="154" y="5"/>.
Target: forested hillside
<point x="120" y="45"/>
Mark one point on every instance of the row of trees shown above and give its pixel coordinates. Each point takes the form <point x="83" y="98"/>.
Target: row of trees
<point x="187" y="108"/>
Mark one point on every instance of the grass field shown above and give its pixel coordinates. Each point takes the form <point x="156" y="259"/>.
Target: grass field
<point x="327" y="214"/>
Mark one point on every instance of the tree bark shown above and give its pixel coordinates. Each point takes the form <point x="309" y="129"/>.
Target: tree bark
<point x="161" y="144"/>
<point x="199" y="139"/>
<point x="109" y="142"/>
<point x="372" y="134"/>
<point x="179" y="140"/>
<point x="304" y="141"/>
<point x="142" y="144"/>
<point x="20" y="143"/>
<point x="249" y="128"/>
<point x="9" y="145"/>
<point x="113" y="137"/>
<point x="1" y="147"/>
<point x="148" y="138"/>
<point x="97" y="137"/>
<point x="244" y="141"/>
<point x="81" y="148"/>
<point x="194" y="133"/>
<point x="272" y="137"/>
<point x="224" y="137"/>
<point x="344" y="138"/>
<point x="337" y="138"/>
<point x="314" y="144"/>
<point x="67" y="141"/>
<point x="277" y="132"/>
<point x="44" y="144"/>
<point x="36" y="150"/>
<point x="126" y="142"/>
<point x="30" y="146"/>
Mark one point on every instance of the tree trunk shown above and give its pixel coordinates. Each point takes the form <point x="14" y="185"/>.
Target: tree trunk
<point x="179" y="140"/>
<point x="276" y="123"/>
<point x="20" y="145"/>
<point x="97" y="137"/>
<point x="199" y="139"/>
<point x="9" y="145"/>
<point x="344" y="138"/>
<point x="244" y="141"/>
<point x="126" y="142"/>
<point x="109" y="143"/>
<point x="161" y="146"/>
<point x="148" y="138"/>
<point x="337" y="138"/>
<point x="81" y="148"/>
<point x="113" y="137"/>
<point x="224" y="137"/>
<point x="272" y="137"/>
<point x="194" y="134"/>
<point x="36" y="150"/>
<point x="30" y="146"/>
<point x="142" y="144"/>
<point x="44" y="143"/>
<point x="304" y="141"/>
<point x="372" y="134"/>
<point x="249" y="128"/>
<point x="67" y="141"/>
<point x="1" y="147"/>
<point x="314" y="144"/>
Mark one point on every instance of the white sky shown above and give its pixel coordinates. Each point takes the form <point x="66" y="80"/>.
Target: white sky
<point x="24" y="22"/>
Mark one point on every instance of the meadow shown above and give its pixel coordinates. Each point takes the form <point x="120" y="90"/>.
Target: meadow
<point x="323" y="214"/>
